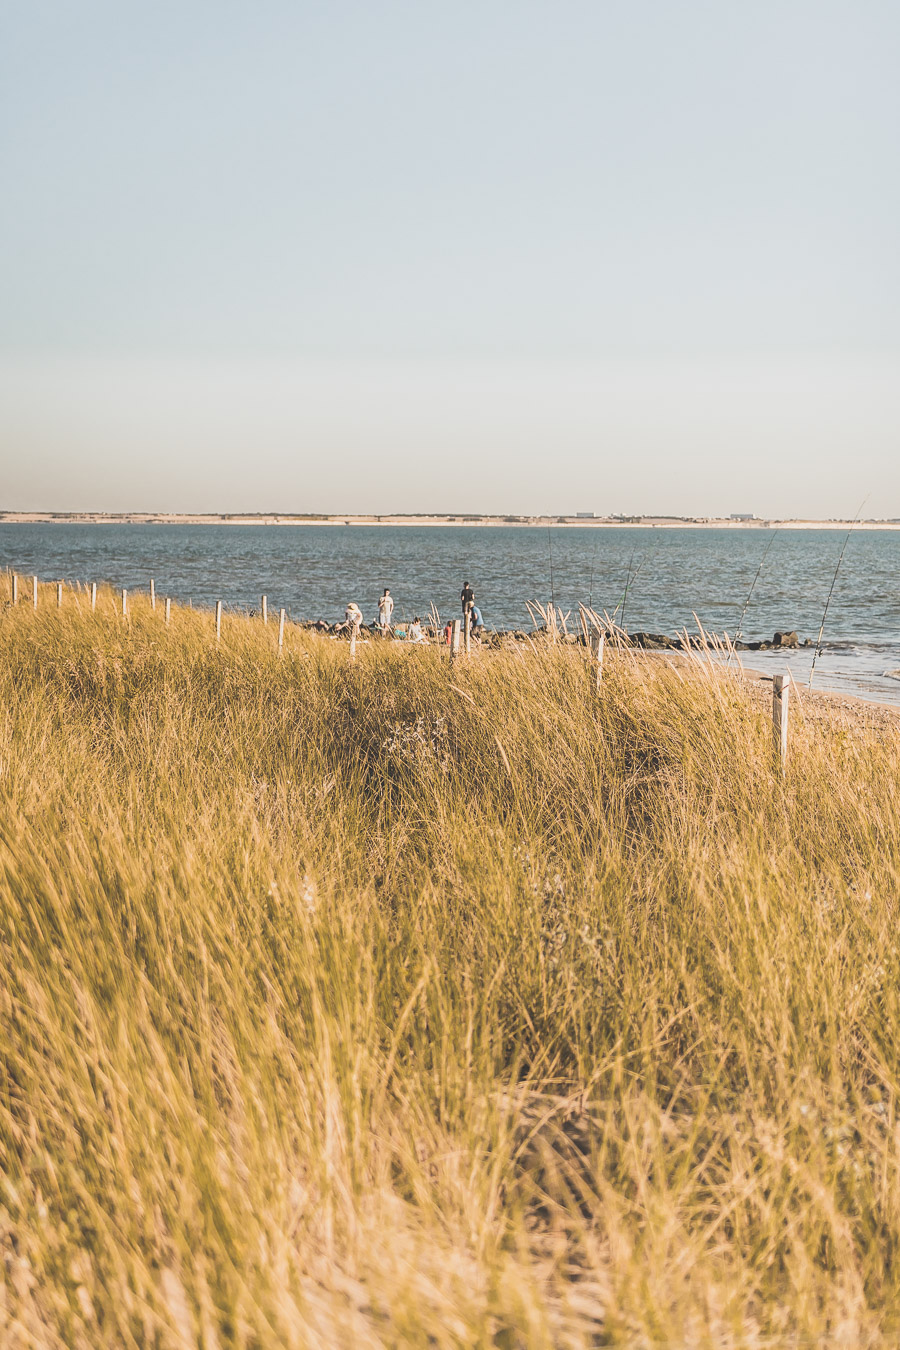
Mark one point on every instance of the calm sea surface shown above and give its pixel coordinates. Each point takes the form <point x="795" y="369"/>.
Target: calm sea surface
<point x="314" y="570"/>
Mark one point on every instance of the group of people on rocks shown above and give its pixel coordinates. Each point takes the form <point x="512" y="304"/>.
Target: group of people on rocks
<point x="414" y="632"/>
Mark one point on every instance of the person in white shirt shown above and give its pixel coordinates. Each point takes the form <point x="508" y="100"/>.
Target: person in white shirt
<point x="385" y="610"/>
<point x="415" y="631"/>
<point x="353" y="617"/>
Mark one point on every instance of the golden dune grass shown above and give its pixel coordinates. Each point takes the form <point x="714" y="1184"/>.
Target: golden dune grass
<point x="381" y="1005"/>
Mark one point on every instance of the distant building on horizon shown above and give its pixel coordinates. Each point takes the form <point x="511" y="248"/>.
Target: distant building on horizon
<point x="741" y="516"/>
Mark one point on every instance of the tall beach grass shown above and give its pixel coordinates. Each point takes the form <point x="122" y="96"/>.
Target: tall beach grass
<point x="387" y="1003"/>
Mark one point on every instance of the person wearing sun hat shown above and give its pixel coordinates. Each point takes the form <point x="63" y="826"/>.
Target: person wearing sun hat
<point x="353" y="618"/>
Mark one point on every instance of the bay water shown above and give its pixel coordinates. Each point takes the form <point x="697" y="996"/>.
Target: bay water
<point x="314" y="570"/>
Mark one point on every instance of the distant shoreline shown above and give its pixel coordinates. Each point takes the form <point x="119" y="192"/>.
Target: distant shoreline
<point x="562" y="522"/>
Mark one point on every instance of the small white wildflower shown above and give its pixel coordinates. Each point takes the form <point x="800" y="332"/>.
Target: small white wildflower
<point x="308" y="896"/>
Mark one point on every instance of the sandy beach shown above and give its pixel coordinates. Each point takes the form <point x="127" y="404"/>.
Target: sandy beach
<point x="825" y="708"/>
<point x="494" y="521"/>
<point x="828" y="709"/>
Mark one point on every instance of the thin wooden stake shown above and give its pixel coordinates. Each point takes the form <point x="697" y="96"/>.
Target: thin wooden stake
<point x="281" y="633"/>
<point x="124" y="604"/>
<point x="34" y="590"/>
<point x="265" y="608"/>
<point x="168" y="609"/>
<point x="468" y="637"/>
<point x="218" y="620"/>
<point x="15" y="589"/>
<point x="598" y="642"/>
<point x="59" y="595"/>
<point x="781" y="689"/>
<point x="353" y="642"/>
<point x="454" y="640"/>
<point x="152" y="594"/>
<point x="93" y="596"/>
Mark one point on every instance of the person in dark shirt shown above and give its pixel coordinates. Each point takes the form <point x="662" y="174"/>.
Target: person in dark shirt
<point x="467" y="598"/>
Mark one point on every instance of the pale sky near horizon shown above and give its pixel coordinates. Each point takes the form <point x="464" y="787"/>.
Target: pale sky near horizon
<point x="634" y="257"/>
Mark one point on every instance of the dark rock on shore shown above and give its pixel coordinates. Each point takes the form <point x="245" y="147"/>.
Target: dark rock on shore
<point x="655" y="641"/>
<point x="644" y="641"/>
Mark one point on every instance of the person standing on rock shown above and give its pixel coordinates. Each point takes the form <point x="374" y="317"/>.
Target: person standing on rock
<point x="385" y="610"/>
<point x="467" y="599"/>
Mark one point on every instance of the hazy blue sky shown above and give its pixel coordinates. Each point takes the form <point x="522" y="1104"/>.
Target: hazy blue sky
<point x="484" y="256"/>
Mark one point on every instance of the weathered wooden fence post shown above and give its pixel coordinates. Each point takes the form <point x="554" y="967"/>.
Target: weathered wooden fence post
<point x="781" y="688"/>
<point x="353" y="631"/>
<point x="265" y="609"/>
<point x="15" y="589"/>
<point x="168" y="609"/>
<point x="93" y="596"/>
<point x="124" y="604"/>
<point x="281" y="632"/>
<point x="598" y="642"/>
<point x="152" y="594"/>
<point x="454" y="640"/>
<point x="34" y="591"/>
<point x="59" y="595"/>
<point x="468" y="634"/>
<point x="218" y="620"/>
